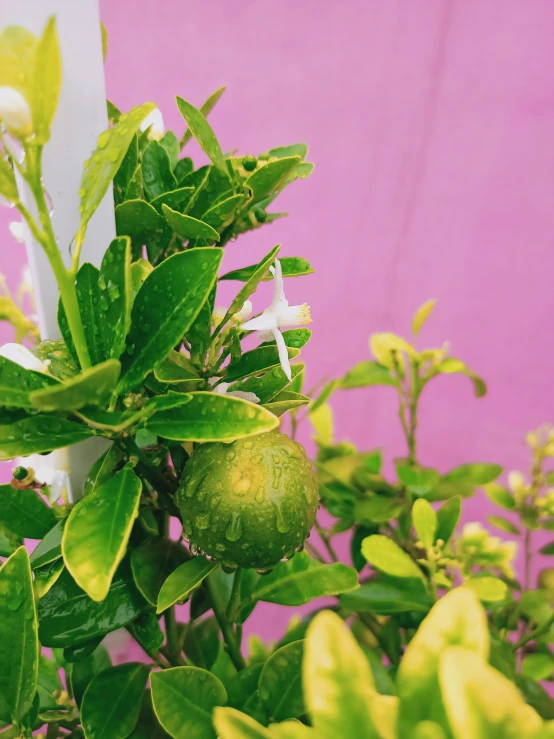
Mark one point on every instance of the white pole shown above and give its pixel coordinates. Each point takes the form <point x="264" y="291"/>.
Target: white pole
<point x="81" y="116"/>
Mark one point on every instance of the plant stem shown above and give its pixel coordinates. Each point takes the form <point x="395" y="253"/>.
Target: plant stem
<point x="539" y="631"/>
<point x="326" y="541"/>
<point x="528" y="559"/>
<point x="226" y="628"/>
<point x="150" y="472"/>
<point x="234" y="600"/>
<point x="314" y="552"/>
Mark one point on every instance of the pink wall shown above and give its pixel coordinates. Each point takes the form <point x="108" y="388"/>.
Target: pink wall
<point x="431" y="125"/>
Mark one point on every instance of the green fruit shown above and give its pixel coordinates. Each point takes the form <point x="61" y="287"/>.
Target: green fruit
<point x="249" y="503"/>
<point x="249" y="163"/>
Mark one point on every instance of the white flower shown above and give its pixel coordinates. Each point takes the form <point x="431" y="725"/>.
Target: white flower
<point x="16" y="230"/>
<point x="23" y="357"/>
<point x="223" y="389"/>
<point x="244" y="313"/>
<point x="50" y="469"/>
<point x="15" y="112"/>
<point x="278" y="315"/>
<point x="155" y="122"/>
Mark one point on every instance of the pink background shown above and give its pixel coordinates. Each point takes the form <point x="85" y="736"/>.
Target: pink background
<point x="431" y="126"/>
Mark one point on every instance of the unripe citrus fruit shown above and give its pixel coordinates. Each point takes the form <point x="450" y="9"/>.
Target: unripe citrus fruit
<point x="249" y="503"/>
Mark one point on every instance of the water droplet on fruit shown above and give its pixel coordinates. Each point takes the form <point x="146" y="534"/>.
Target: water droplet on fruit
<point x="233" y="532"/>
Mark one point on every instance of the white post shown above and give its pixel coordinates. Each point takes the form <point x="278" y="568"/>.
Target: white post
<point x="80" y="118"/>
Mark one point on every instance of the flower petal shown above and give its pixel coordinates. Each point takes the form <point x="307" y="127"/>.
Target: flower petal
<point x="279" y="300"/>
<point x="283" y="353"/>
<point x="267" y="321"/>
<point x="22" y="356"/>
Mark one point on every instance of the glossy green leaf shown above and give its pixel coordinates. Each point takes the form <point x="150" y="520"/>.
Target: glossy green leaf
<point x="365" y="374"/>
<point x="177" y="200"/>
<point x="181" y="581"/>
<point x="103" y="468"/>
<point x="338" y="682"/>
<point x="500" y="495"/>
<point x="81" y="673"/>
<point x="164" y="309"/>
<point x="386" y="597"/>
<point x="291" y="266"/>
<point x="156" y="171"/>
<point x="271" y="177"/>
<point x="148" y="726"/>
<point x="176" y="368"/>
<point x="296" y="338"/>
<point x="189" y="227"/>
<point x="203" y="133"/>
<point x="425" y="522"/>
<point x="152" y="563"/>
<point x="538" y="666"/>
<point x="488" y="589"/>
<point x="19" y="647"/>
<point x="184" y="698"/>
<point x="466" y="683"/>
<point x="221" y="215"/>
<point x="46" y="83"/>
<point x="271" y="383"/>
<point x="419" y="481"/>
<point x="256" y="361"/>
<point x="50" y="548"/>
<point x="376" y="508"/>
<point x="93" y="386"/>
<point x="121" y="688"/>
<point x="97" y="532"/>
<point x="279" y="152"/>
<point x="474" y="474"/>
<point x="302" y="579"/>
<point x="25" y="513"/>
<point x="116" y="295"/>
<point x="457" y="618"/>
<point x="16" y="383"/>
<point x="48" y="683"/>
<point x="67" y="616"/>
<point x="170" y="143"/>
<point x="451" y="366"/>
<point x="206" y="108"/>
<point x="46" y="576"/>
<point x="232" y="724"/>
<point x="280" y="685"/>
<point x="62" y="366"/>
<point x="383" y="554"/>
<point x="286" y="401"/>
<point x="100" y="169"/>
<point x="211" y="417"/>
<point x="39" y="434"/>
<point x="503" y="524"/>
<point x="252" y="283"/>
<point x="137" y="219"/>
<point x="8" y="185"/>
<point x="126" y="171"/>
<point x="211" y="185"/>
<point x="146" y="631"/>
<point x="448" y="516"/>
<point x="422" y="314"/>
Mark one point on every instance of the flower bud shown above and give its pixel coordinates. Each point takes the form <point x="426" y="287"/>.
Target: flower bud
<point x="15" y="113"/>
<point x="155" y="122"/>
<point x="16" y="230"/>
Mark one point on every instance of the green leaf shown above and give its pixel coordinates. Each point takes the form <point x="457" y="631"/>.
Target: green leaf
<point x="25" y="513"/>
<point x="50" y="548"/>
<point x="503" y="524"/>
<point x="184" y="698"/>
<point x="61" y="366"/>
<point x="425" y="522"/>
<point x="147" y="632"/>
<point x="279" y="152"/>
<point x="19" y="647"/>
<point x="474" y="474"/>
<point x="206" y="108"/>
<point x="365" y="374"/>
<point x="280" y="683"/>
<point x="383" y="554"/>
<point x="46" y="576"/>
<point x="536" y="696"/>
<point x="103" y="468"/>
<point x="500" y="496"/>
<point x="48" y="683"/>
<point x="286" y="401"/>
<point x="232" y="724"/>
<point x="189" y="227"/>
<point x="39" y="434"/>
<point x="152" y="563"/>
<point x="181" y="581"/>
<point x="422" y="314"/>
<point x="46" y="83"/>
<point x="296" y="338"/>
<point x="170" y="143"/>
<point x="376" y="509"/>
<point x="258" y="360"/>
<point x="121" y="688"/>
<point x="291" y="266"/>
<point x="137" y="219"/>
<point x="16" y="383"/>
<point x="203" y="133"/>
<point x="116" y="296"/>
<point x="252" y="283"/>
<point x="270" y="384"/>
<point x="271" y="177"/>
<point x="488" y="589"/>
<point x="547" y="548"/>
<point x="97" y="532"/>
<point x="8" y="185"/>
<point x="302" y="579"/>
<point x="100" y="169"/>
<point x="93" y="386"/>
<point x="448" y="516"/>
<point x="156" y="171"/>
<point x="420" y="481"/>
<point x="81" y="673"/>
<point x="451" y="366"/>
<point x="211" y="417"/>
<point x="202" y="644"/>
<point x="67" y="616"/>
<point x="164" y="309"/>
<point x="338" y="682"/>
<point x="457" y="618"/>
<point x="177" y="200"/>
<point x="148" y="726"/>
<point x="383" y="597"/>
<point x="126" y="172"/>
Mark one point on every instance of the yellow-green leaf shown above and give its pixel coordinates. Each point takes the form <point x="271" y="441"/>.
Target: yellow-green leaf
<point x="422" y="314"/>
<point x="47" y="82"/>
<point x="387" y="349"/>
<point x="489" y="589"/>
<point x="92" y="387"/>
<point x="182" y="580"/>
<point x="206" y="108"/>
<point x="425" y="522"/>
<point x="382" y="553"/>
<point x="203" y="133"/>
<point x="8" y="185"/>
<point x="97" y="531"/>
